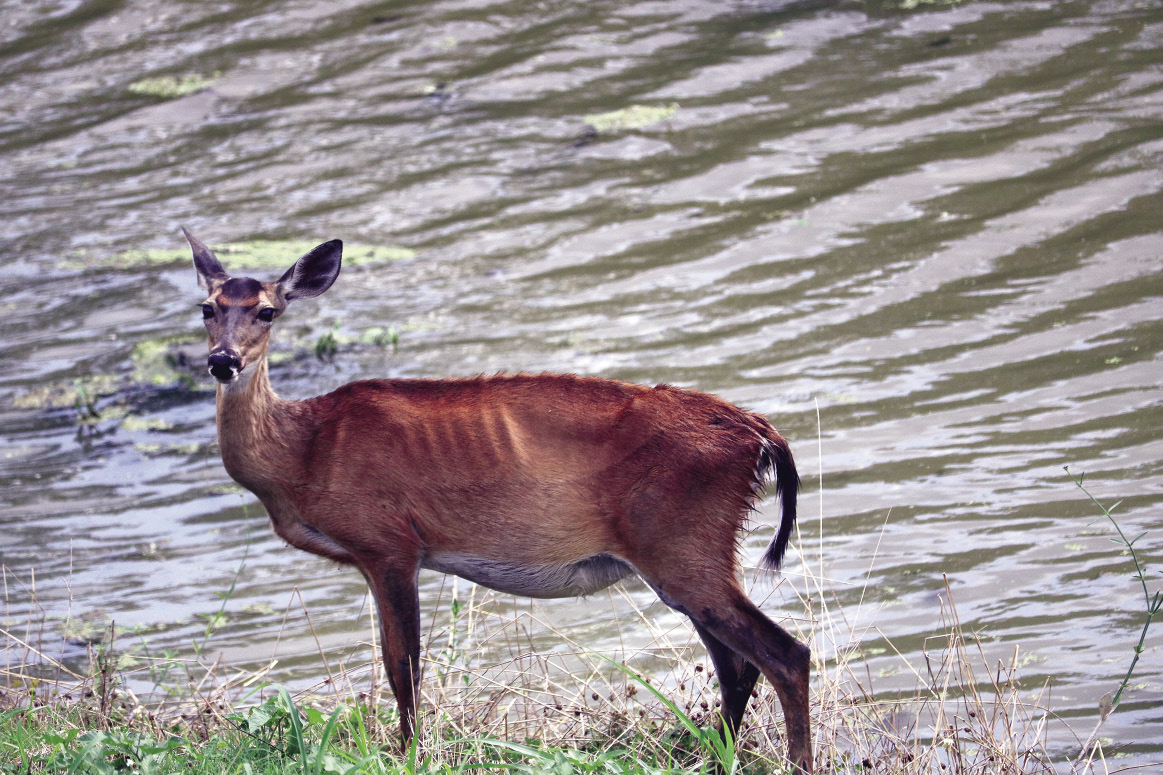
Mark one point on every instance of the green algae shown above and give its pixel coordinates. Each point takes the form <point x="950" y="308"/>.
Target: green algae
<point x="631" y="118"/>
<point x="76" y="393"/>
<point x="155" y="364"/>
<point x="137" y="423"/>
<point x="155" y="449"/>
<point x="171" y="86"/>
<point x="909" y="5"/>
<point x="87" y="629"/>
<point x="115" y="412"/>
<point x="277" y="357"/>
<point x="379" y="336"/>
<point x="95" y="626"/>
<point x="328" y="343"/>
<point x="262" y="255"/>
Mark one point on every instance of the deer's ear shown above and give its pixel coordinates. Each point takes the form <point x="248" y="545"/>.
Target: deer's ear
<point x="313" y="273"/>
<point x="210" y="271"/>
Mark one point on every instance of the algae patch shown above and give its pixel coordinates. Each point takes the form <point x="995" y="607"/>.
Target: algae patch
<point x="633" y="117"/>
<point x="268" y="255"/>
<point x="136" y="423"/>
<point x="328" y="344"/>
<point x="381" y="337"/>
<point x="154" y="363"/>
<point x="77" y="393"/>
<point x="171" y="86"/>
<point x="909" y="5"/>
<point x="87" y="629"/>
<point x="102" y="397"/>
<point x="156" y="450"/>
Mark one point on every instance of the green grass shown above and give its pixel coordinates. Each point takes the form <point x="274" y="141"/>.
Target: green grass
<point x="280" y="736"/>
<point x="567" y="711"/>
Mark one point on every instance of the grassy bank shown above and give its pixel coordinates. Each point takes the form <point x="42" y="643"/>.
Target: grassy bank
<point x="280" y="735"/>
<point x="572" y="711"/>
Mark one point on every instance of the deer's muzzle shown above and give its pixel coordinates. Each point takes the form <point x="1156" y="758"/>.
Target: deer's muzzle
<point x="224" y="366"/>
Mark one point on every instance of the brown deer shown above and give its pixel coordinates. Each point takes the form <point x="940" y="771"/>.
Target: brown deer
<point x="545" y="485"/>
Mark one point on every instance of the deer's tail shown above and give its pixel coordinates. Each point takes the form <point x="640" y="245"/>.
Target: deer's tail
<point x="775" y="457"/>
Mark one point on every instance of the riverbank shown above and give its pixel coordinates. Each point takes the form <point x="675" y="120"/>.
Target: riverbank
<point x="572" y="711"/>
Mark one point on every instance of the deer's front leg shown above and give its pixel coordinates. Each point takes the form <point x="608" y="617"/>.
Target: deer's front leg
<point x="393" y="585"/>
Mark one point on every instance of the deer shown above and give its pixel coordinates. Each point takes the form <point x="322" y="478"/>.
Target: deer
<point x="539" y="485"/>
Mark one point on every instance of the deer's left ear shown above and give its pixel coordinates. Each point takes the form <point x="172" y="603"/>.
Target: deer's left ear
<point x="210" y="271"/>
<point x="313" y="273"/>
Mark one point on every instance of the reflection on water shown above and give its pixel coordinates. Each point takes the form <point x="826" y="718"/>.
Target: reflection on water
<point x="937" y="226"/>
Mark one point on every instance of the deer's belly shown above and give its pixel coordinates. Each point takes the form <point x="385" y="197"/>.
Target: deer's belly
<point x="573" y="580"/>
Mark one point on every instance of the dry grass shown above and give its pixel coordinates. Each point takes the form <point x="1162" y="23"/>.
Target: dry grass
<point x="963" y="713"/>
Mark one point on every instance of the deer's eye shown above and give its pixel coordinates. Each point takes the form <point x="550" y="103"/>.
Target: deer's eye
<point x="207" y="311"/>
<point x="267" y="314"/>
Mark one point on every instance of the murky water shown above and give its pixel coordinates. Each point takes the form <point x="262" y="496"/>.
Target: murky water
<point x="938" y="226"/>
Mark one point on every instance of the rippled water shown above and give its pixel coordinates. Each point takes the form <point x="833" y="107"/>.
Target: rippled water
<point x="938" y="227"/>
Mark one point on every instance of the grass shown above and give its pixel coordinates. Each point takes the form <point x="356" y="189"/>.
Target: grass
<point x="570" y="711"/>
<point x="1152" y="605"/>
<point x="641" y="710"/>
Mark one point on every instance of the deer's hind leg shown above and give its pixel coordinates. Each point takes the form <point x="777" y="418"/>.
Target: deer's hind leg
<point x="738" y="625"/>
<point x="737" y="679"/>
<point x="679" y="532"/>
<point x="740" y="639"/>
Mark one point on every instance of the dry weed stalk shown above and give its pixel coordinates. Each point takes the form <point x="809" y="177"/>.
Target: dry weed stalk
<point x="961" y="716"/>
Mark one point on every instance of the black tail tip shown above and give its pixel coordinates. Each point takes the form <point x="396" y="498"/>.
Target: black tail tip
<point x="787" y="483"/>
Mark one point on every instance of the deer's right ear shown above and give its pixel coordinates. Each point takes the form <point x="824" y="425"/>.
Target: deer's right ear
<point x="313" y="273"/>
<point x="210" y="271"/>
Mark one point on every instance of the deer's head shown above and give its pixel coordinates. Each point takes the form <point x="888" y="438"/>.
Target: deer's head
<point x="239" y="311"/>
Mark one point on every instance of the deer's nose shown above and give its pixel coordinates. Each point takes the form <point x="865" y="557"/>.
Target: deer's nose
<point x="224" y="365"/>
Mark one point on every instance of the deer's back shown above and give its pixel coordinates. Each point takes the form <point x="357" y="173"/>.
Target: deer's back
<point x="488" y="458"/>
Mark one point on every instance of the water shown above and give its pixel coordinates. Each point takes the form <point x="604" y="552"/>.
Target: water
<point x="924" y="241"/>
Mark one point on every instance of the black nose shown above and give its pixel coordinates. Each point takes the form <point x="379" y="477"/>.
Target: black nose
<point x="224" y="366"/>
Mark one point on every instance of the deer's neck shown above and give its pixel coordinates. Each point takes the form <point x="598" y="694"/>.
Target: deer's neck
<point x="258" y="434"/>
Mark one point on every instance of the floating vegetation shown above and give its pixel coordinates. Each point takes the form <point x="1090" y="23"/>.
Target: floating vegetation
<point x="137" y="423"/>
<point x="262" y="255"/>
<point x="154" y="363"/>
<point x="86" y="404"/>
<point x="438" y="90"/>
<point x="90" y="628"/>
<point x="275" y="357"/>
<point x="81" y="394"/>
<point x="154" y="450"/>
<point x="909" y="5"/>
<point x="258" y="609"/>
<point x="91" y="418"/>
<point x="328" y="344"/>
<point x="171" y="86"/>
<point x="381" y="337"/>
<point x="633" y="117"/>
<point x="104" y="402"/>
